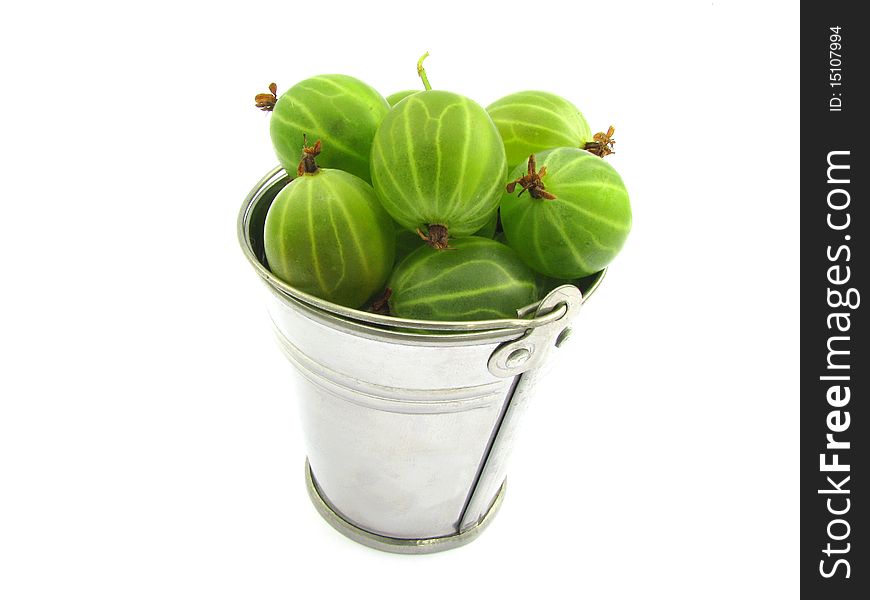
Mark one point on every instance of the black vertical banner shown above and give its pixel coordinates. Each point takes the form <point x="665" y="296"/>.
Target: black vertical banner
<point x="835" y="351"/>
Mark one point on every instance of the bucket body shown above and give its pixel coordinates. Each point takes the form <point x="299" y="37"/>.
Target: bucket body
<point x="407" y="424"/>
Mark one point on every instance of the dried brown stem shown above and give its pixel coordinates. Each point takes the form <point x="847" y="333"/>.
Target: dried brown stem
<point x="531" y="181"/>
<point x="266" y="102"/>
<point x="602" y="143"/>
<point x="437" y="236"/>
<point x="308" y="166"/>
<point x="381" y="305"/>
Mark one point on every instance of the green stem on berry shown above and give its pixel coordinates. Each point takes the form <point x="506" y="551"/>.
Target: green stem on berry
<point x="422" y="72"/>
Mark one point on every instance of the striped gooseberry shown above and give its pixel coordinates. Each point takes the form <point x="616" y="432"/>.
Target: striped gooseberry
<point x="438" y="165"/>
<point x="533" y="121"/>
<point x="476" y="279"/>
<point x="571" y="216"/>
<point x="341" y="111"/>
<point x="327" y="235"/>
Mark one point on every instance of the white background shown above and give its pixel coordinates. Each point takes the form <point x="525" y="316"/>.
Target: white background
<point x="149" y="441"/>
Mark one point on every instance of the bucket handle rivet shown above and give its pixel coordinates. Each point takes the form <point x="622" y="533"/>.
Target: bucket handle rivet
<point x="517" y="357"/>
<point x="530" y="350"/>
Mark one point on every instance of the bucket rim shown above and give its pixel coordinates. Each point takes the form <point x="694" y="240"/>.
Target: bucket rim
<point x="345" y="313"/>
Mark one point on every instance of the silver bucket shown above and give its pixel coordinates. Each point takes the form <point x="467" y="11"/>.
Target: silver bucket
<point x="408" y="424"/>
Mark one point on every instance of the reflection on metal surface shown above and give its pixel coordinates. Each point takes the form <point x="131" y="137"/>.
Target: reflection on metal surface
<point x="408" y="424"/>
<point x="396" y="545"/>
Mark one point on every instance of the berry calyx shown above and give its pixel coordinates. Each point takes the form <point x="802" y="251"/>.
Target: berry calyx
<point x="437" y="237"/>
<point x="308" y="166"/>
<point x="266" y="102"/>
<point x="602" y="144"/>
<point x="531" y="181"/>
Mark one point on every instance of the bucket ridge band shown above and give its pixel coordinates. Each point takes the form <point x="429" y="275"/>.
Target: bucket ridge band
<point x="384" y="398"/>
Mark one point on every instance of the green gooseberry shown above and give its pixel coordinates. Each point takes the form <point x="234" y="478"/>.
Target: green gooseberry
<point x="476" y="279"/>
<point x="533" y="121"/>
<point x="327" y="235"/>
<point x="438" y="165"/>
<point x="575" y="217"/>
<point x="341" y="111"/>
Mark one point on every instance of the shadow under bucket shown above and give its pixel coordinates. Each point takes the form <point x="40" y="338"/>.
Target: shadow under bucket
<point x="408" y="424"/>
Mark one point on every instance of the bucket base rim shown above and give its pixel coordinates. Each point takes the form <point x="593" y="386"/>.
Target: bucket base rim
<point x="390" y="544"/>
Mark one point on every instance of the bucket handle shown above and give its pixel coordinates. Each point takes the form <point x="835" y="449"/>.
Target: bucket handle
<point x="532" y="348"/>
<point x="520" y="359"/>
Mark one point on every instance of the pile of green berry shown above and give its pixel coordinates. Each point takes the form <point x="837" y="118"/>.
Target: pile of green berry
<point x="424" y="205"/>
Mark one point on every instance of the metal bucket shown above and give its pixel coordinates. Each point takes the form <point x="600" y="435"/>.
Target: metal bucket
<point x="408" y="424"/>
